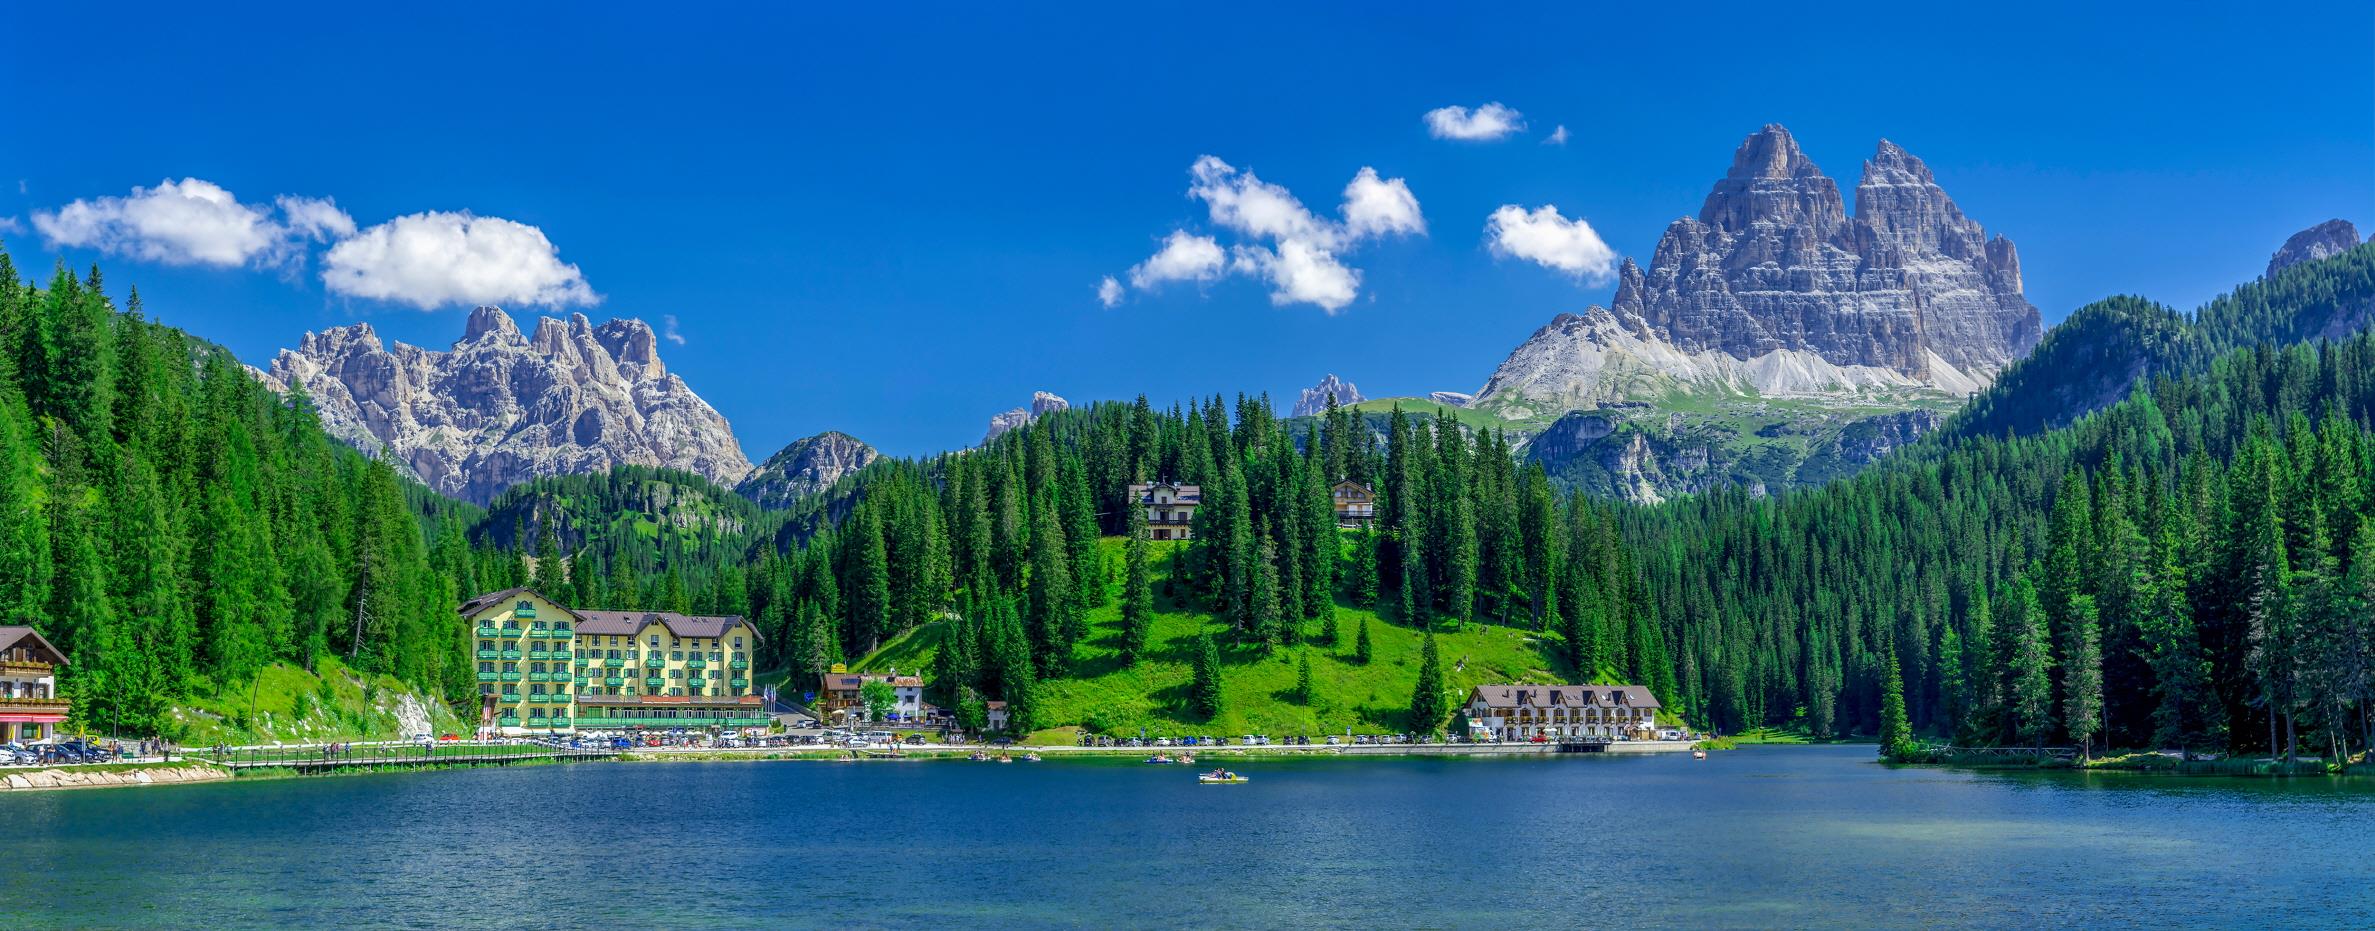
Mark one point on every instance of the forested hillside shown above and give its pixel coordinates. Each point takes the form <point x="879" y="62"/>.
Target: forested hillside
<point x="2090" y="360"/>
<point x="2191" y="567"/>
<point x="176" y="528"/>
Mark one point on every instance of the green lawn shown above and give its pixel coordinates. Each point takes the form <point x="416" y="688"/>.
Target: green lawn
<point x="1427" y="409"/>
<point x="1257" y="684"/>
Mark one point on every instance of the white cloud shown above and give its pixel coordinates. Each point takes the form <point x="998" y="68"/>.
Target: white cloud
<point x="11" y="225"/>
<point x="1250" y="205"/>
<point x="1374" y="207"/>
<point x="668" y="330"/>
<point x="1557" y="136"/>
<point x="317" y="219"/>
<point x="186" y="222"/>
<point x="1300" y="271"/>
<point x="436" y="259"/>
<point x="1545" y="238"/>
<point x="1483" y="124"/>
<point x="1297" y="252"/>
<point x="1184" y="257"/>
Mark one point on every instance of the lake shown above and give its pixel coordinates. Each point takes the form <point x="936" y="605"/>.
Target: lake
<point x="1760" y="837"/>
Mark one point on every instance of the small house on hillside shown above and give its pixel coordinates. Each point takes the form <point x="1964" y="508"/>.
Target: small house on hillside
<point x="1356" y="504"/>
<point x="1170" y="508"/>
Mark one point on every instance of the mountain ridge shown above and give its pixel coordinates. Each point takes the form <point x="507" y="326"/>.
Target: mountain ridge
<point x="500" y="407"/>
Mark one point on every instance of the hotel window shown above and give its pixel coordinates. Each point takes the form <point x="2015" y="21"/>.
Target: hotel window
<point x="486" y="667"/>
<point x="655" y="640"/>
<point x="676" y="673"/>
<point x="737" y="643"/>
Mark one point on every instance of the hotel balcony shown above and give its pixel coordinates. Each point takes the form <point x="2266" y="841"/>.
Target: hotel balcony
<point x="22" y="705"/>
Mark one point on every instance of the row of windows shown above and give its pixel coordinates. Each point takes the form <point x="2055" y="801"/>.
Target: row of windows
<point x="715" y="656"/>
<point x="698" y="643"/>
<point x="679" y="692"/>
<point x="488" y="688"/>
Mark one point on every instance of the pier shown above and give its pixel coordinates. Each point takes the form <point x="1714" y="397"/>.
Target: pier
<point x="322" y="758"/>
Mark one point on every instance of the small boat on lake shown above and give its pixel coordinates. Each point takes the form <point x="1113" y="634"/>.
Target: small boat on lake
<point x="1220" y="777"/>
<point x="1003" y="758"/>
<point x="1698" y="754"/>
<point x="1030" y="758"/>
<point x="1159" y="758"/>
<point x="979" y="757"/>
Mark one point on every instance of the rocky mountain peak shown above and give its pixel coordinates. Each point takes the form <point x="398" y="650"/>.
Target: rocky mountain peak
<point x="500" y="408"/>
<point x="486" y="320"/>
<point x="632" y="343"/>
<point x="807" y="466"/>
<point x="1772" y="182"/>
<point x="1042" y="404"/>
<point x="1314" y="400"/>
<point x="1773" y="264"/>
<point x="2323" y="241"/>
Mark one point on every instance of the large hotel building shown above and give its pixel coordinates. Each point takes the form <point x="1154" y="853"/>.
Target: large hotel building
<point x="543" y="668"/>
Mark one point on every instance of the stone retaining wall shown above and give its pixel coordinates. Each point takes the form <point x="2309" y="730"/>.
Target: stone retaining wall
<point x="69" y="778"/>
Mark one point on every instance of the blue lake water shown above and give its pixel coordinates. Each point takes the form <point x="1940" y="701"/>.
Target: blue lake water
<point x="1760" y="837"/>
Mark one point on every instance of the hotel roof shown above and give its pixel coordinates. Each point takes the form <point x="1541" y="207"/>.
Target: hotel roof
<point x="1539" y="696"/>
<point x="491" y="599"/>
<point x="682" y="625"/>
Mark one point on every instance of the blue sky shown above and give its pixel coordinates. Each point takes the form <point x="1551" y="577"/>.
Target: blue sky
<point x="894" y="223"/>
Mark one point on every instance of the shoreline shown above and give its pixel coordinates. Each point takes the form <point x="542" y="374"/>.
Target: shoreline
<point x="1281" y="751"/>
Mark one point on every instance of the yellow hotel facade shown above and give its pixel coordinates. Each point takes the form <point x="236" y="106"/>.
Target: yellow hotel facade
<point x="545" y="669"/>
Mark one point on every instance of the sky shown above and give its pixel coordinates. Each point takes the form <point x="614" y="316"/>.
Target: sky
<point x="897" y="222"/>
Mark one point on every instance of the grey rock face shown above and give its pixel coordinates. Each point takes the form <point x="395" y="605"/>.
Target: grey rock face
<point x="2323" y="241"/>
<point x="807" y="466"/>
<point x="1452" y="398"/>
<point x="501" y="407"/>
<point x="1315" y="398"/>
<point x="1042" y="404"/>
<point x="1773" y="262"/>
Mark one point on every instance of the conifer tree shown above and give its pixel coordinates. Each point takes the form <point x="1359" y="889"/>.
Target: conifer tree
<point x="1303" y="689"/>
<point x="1426" y="699"/>
<point x="1896" y="730"/>
<point x="2029" y="664"/>
<point x="1360" y="644"/>
<point x="2082" y="697"/>
<point x="1137" y="590"/>
<point x="1204" y="690"/>
<point x="1268" y="625"/>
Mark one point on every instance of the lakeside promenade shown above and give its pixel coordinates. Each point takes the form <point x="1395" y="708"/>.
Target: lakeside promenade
<point x="964" y="751"/>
